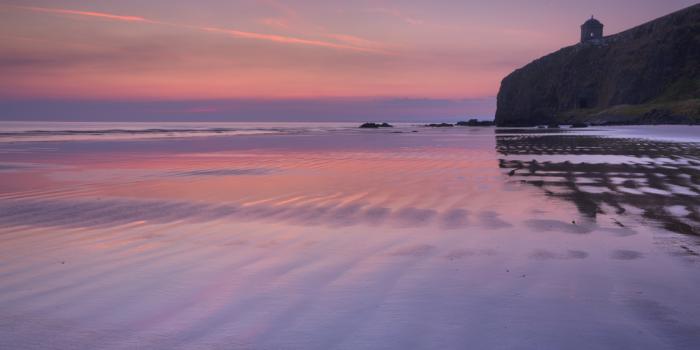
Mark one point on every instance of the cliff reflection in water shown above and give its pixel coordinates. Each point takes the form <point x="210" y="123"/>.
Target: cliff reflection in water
<point x="655" y="179"/>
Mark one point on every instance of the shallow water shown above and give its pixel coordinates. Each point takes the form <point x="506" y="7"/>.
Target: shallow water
<point x="327" y="236"/>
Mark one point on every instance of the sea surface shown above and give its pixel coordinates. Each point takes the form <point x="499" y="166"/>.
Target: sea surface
<point x="326" y="236"/>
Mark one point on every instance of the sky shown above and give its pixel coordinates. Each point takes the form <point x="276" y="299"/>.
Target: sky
<point x="272" y="60"/>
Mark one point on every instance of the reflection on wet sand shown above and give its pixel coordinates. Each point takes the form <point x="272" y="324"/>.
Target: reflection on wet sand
<point x="106" y="213"/>
<point x="350" y="239"/>
<point x="659" y="180"/>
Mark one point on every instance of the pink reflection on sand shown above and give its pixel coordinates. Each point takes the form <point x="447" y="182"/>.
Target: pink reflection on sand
<point x="316" y="247"/>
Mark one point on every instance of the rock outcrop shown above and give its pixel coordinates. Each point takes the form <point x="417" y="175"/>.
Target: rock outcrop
<point x="475" y="122"/>
<point x="375" y="125"/>
<point x="648" y="74"/>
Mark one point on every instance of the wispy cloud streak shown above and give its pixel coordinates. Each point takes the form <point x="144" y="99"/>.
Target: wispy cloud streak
<point x="286" y="39"/>
<point x="231" y="32"/>
<point x="86" y="13"/>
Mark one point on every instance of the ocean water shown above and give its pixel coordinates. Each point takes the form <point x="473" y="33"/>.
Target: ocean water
<point x="318" y="236"/>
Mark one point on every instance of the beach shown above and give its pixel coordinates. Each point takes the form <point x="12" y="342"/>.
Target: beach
<point x="319" y="236"/>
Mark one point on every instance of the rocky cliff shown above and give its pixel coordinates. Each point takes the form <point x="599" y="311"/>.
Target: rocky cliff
<point x="648" y="74"/>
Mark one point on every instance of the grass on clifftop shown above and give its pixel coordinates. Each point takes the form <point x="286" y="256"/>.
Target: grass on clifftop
<point x="675" y="112"/>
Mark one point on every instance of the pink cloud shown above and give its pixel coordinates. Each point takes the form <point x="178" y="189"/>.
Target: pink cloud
<point x="87" y="13"/>
<point x="353" y="40"/>
<point x="288" y="39"/>
<point x="231" y="32"/>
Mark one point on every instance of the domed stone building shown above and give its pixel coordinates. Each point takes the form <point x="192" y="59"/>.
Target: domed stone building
<point x="592" y="31"/>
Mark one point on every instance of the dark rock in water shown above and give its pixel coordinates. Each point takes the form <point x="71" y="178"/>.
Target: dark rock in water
<point x="375" y="125"/>
<point x="649" y="74"/>
<point x="475" y="122"/>
<point x="440" y="125"/>
<point x="579" y="125"/>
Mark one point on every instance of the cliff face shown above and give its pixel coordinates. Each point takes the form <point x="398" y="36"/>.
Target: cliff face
<point x="652" y="68"/>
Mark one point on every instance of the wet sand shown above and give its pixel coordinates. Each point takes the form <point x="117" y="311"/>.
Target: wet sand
<point x="335" y="237"/>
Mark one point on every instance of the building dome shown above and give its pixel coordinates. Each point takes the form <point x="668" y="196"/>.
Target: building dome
<point x="593" y="22"/>
<point x="592" y="31"/>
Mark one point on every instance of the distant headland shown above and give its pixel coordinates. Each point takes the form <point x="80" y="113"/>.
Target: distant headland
<point x="649" y="74"/>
